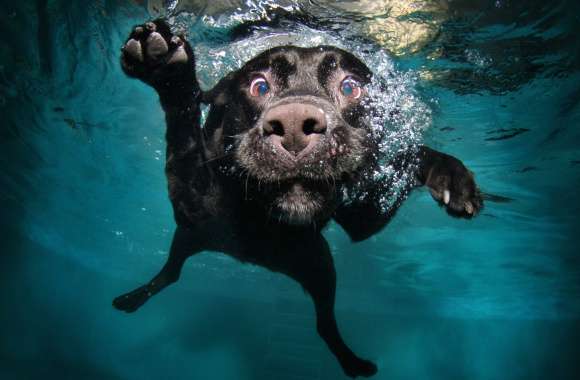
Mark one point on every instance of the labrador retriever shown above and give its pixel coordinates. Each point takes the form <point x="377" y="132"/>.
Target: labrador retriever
<point x="285" y="145"/>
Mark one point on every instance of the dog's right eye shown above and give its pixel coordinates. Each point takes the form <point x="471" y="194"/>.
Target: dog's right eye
<point x="259" y="87"/>
<point x="351" y="88"/>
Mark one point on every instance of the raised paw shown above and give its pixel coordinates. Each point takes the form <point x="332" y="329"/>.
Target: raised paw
<point x="453" y="186"/>
<point x="133" y="300"/>
<point x="355" y="367"/>
<point x="156" y="56"/>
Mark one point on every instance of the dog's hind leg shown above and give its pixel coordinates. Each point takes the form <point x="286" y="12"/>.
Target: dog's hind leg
<point x="182" y="247"/>
<point x="314" y="270"/>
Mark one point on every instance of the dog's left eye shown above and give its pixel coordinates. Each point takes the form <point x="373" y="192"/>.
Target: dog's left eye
<point x="259" y="87"/>
<point x="350" y="88"/>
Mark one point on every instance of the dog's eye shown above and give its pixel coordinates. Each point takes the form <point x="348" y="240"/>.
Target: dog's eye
<point x="350" y="88"/>
<point x="259" y="87"/>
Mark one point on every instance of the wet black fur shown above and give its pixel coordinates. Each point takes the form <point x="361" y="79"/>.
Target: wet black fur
<point x="220" y="206"/>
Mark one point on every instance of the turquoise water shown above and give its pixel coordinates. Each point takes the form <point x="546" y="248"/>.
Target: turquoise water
<point x="85" y="214"/>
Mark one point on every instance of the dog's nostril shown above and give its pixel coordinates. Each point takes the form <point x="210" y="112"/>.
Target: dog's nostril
<point x="311" y="126"/>
<point x="308" y="126"/>
<point x="273" y="127"/>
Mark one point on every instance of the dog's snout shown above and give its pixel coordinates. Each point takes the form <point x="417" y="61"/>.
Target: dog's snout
<point x="297" y="125"/>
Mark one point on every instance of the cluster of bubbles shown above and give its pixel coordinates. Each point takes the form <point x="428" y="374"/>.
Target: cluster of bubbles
<point x="397" y="116"/>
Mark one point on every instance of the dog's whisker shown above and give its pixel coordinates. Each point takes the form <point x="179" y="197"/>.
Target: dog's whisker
<point x="247" y="180"/>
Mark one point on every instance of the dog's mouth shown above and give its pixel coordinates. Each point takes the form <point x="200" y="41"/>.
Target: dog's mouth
<point x="301" y="202"/>
<point x="299" y="187"/>
<point x="303" y="189"/>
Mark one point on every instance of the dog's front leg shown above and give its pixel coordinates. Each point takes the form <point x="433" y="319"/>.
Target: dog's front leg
<point x="165" y="61"/>
<point x="184" y="245"/>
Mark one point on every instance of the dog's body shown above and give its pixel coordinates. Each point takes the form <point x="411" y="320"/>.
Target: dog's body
<point x="284" y="138"/>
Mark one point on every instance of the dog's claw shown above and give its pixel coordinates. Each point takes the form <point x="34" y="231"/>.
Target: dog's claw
<point x="150" y="26"/>
<point x="469" y="207"/>
<point x="176" y="41"/>
<point x="446" y="196"/>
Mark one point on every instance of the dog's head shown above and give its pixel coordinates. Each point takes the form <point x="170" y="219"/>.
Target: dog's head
<point x="290" y="126"/>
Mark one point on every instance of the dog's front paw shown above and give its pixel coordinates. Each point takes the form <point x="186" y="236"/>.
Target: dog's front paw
<point x="156" y="56"/>
<point x="354" y="367"/>
<point x="453" y="186"/>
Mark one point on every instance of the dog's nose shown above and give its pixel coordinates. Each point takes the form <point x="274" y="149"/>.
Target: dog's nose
<point x="297" y="125"/>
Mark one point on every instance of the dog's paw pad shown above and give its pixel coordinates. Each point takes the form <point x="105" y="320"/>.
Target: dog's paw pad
<point x="179" y="55"/>
<point x="153" y="54"/>
<point x="156" y="46"/>
<point x="134" y="50"/>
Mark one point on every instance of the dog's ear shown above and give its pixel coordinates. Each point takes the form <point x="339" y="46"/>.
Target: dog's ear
<point x="220" y="94"/>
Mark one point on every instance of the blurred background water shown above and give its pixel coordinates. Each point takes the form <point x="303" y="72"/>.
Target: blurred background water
<point x="85" y="214"/>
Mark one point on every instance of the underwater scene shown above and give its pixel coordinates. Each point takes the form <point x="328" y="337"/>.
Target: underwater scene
<point x="86" y="215"/>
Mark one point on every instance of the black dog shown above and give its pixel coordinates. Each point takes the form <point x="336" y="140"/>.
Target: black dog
<point x="285" y="136"/>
